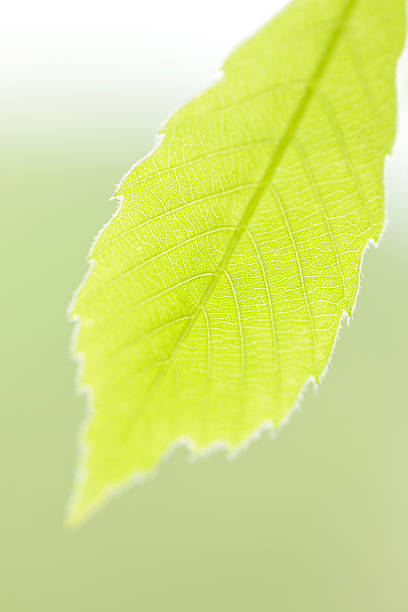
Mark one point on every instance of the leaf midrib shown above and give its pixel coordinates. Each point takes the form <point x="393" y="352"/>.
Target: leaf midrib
<point x="263" y="184"/>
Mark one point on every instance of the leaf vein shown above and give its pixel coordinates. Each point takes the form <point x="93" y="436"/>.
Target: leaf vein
<point x="241" y="332"/>
<point x="275" y="346"/>
<point x="174" y="210"/>
<point x="301" y="277"/>
<point x="309" y="173"/>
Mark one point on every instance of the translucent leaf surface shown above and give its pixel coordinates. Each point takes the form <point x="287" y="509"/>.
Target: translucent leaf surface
<point x="217" y="289"/>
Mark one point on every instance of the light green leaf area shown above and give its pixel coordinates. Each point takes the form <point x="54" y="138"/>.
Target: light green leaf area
<point x="217" y="289"/>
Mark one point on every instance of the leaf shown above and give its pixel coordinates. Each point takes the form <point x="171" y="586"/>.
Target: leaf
<point x="217" y="289"/>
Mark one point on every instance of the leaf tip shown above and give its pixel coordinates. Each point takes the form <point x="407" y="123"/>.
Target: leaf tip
<point x="82" y="506"/>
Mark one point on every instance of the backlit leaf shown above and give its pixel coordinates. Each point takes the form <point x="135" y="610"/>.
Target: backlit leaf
<point x="217" y="289"/>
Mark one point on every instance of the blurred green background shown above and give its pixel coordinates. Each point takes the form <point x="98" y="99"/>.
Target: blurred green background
<point x="314" y="520"/>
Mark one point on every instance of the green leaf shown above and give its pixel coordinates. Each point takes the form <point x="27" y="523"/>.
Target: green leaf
<point x="217" y="289"/>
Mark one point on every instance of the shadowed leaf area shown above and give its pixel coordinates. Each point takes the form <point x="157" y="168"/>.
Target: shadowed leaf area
<point x="217" y="289"/>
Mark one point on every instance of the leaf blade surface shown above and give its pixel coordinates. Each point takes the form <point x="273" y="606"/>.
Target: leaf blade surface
<point x="217" y="289"/>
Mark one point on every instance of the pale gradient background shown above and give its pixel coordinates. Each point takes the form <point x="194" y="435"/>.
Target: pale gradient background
<point x="313" y="521"/>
